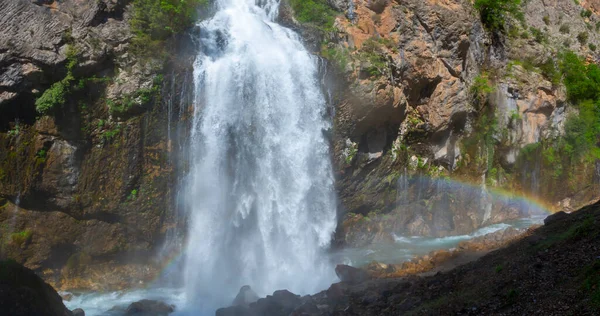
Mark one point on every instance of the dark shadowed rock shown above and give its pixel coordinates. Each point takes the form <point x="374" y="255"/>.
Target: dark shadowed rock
<point x="555" y="217"/>
<point x="350" y="274"/>
<point x="281" y="303"/>
<point x="149" y="308"/>
<point x="78" y="312"/>
<point x="245" y="296"/>
<point x="23" y="293"/>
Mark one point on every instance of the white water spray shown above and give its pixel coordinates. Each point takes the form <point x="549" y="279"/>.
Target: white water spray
<point x="260" y="189"/>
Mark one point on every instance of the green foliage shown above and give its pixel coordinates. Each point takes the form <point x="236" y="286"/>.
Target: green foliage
<point x="57" y="94"/>
<point x="586" y="13"/>
<point x="336" y="55"/>
<point x="493" y="13"/>
<point x="583" y="38"/>
<point x="550" y="71"/>
<point x="371" y="53"/>
<point x="133" y="194"/>
<point x="140" y="97"/>
<point x="538" y="35"/>
<point x="315" y="12"/>
<point x="154" y="21"/>
<point x="109" y="135"/>
<point x="53" y="97"/>
<point x="19" y="238"/>
<point x="592" y="47"/>
<point x="351" y="152"/>
<point x="564" y="29"/>
<point x="481" y="87"/>
<point x="546" y="20"/>
<point x="499" y="268"/>
<point x="582" y="81"/>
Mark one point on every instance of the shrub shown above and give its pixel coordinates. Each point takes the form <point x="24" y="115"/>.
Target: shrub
<point x="153" y="21"/>
<point x="564" y="29"/>
<point x="53" y="97"/>
<point x="538" y="35"/>
<point x="592" y="47"/>
<point x="583" y="37"/>
<point x="586" y="13"/>
<point x="493" y="13"/>
<point x="57" y="94"/>
<point x="316" y="12"/>
<point x="481" y="87"/>
<point x="546" y="20"/>
<point x="582" y="81"/>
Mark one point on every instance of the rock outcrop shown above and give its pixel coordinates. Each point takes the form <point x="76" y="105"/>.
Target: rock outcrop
<point x="23" y="293"/>
<point x="87" y="190"/>
<point x="408" y="104"/>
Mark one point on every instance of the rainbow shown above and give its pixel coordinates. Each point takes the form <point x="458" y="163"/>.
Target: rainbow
<point x="171" y="263"/>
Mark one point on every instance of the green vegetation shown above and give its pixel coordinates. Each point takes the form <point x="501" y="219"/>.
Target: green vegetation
<point x="19" y="238"/>
<point x="371" y="53"/>
<point x="493" y="13"/>
<point x="315" y="12"/>
<point x="538" y="35"/>
<point x="351" y="152"/>
<point x="592" y="47"/>
<point x="546" y="20"/>
<point x="499" y="268"/>
<point x="138" y="98"/>
<point x="57" y="94"/>
<point x="586" y="13"/>
<point x="338" y="56"/>
<point x="133" y="195"/>
<point x="583" y="38"/>
<point x="481" y="87"/>
<point x="154" y="21"/>
<point x="109" y="135"/>
<point x="564" y="29"/>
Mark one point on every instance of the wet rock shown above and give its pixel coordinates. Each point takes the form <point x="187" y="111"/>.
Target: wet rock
<point x="149" y="308"/>
<point x="281" y="303"/>
<point x="350" y="274"/>
<point x="78" y="312"/>
<point x="23" y="293"/>
<point x="245" y="296"/>
<point x="556" y="217"/>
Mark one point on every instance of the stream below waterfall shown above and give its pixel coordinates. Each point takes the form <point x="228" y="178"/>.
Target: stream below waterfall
<point x="403" y="249"/>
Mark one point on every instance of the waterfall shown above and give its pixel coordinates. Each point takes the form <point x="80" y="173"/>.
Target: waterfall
<point x="260" y="189"/>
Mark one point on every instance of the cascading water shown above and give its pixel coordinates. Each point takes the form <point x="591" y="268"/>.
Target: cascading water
<point x="260" y="190"/>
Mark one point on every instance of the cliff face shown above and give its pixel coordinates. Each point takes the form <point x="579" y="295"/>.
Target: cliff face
<point x="87" y="190"/>
<point x="431" y="94"/>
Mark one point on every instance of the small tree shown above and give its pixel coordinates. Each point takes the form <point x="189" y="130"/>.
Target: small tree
<point x="493" y="13"/>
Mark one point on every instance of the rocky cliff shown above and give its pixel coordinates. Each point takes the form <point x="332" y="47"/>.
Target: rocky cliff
<point x="87" y="187"/>
<point x="427" y="92"/>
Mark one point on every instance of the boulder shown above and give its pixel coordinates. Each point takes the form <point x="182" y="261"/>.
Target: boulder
<point x="245" y="296"/>
<point x="350" y="274"/>
<point x="78" y="312"/>
<point x="556" y="217"/>
<point x="24" y="293"/>
<point x="149" y="308"/>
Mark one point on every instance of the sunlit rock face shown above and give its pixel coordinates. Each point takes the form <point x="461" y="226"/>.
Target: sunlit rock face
<point x="410" y="69"/>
